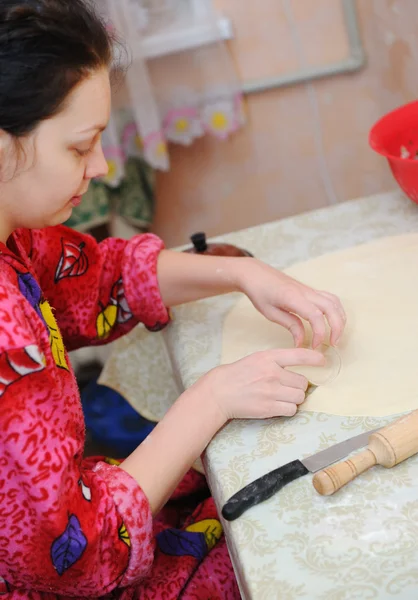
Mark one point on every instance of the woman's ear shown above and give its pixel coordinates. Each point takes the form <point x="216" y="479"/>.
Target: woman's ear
<point x="4" y="148"/>
<point x="7" y="155"/>
<point x="3" y="151"/>
<point x="4" y="138"/>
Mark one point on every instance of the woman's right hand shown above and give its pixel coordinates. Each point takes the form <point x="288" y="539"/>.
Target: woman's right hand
<point x="256" y="387"/>
<point x="259" y="386"/>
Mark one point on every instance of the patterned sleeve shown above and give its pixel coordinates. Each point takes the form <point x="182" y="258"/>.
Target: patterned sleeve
<point x="69" y="526"/>
<point x="98" y="291"/>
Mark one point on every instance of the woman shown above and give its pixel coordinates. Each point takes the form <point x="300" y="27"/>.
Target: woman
<point x="90" y="528"/>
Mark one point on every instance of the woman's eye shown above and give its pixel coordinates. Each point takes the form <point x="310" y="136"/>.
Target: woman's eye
<point x="90" y="149"/>
<point x="83" y="152"/>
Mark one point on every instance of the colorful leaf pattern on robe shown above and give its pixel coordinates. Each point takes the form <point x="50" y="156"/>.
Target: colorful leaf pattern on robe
<point x="176" y="542"/>
<point x="68" y="548"/>
<point x="106" y="321"/>
<point x="4" y="587"/>
<point x="196" y="540"/>
<point x="55" y="337"/>
<point x="116" y="312"/>
<point x="118" y="297"/>
<point x="124" y="535"/>
<point x="30" y="289"/>
<point x="73" y="261"/>
<point x="112" y="461"/>
<point x="211" y="529"/>
<point x="19" y="363"/>
<point x="85" y="490"/>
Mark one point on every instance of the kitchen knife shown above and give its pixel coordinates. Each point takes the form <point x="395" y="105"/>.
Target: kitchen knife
<point x="266" y="486"/>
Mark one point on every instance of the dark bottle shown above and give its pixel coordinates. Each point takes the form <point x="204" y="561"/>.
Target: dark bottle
<point x="200" y="246"/>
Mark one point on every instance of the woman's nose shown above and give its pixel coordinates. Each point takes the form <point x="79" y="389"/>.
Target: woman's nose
<point x="97" y="164"/>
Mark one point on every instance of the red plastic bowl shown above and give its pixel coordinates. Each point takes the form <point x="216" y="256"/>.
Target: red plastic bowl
<point x="397" y="130"/>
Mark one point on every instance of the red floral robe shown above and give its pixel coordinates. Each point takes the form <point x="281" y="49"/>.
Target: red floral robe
<point x="69" y="526"/>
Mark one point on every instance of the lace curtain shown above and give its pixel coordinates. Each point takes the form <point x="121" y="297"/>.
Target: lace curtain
<point x="174" y="96"/>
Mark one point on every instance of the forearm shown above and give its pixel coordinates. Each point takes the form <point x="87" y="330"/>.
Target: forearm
<point x="186" y="277"/>
<point x="162" y="460"/>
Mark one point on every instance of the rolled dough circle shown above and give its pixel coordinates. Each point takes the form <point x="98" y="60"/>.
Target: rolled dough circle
<point x="378" y="285"/>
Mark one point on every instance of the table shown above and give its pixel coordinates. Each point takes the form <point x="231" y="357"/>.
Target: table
<point x="360" y="543"/>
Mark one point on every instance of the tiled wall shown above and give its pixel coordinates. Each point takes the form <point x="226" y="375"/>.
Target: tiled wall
<point x="306" y="146"/>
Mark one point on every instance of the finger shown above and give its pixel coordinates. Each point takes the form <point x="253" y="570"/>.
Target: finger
<point x="335" y="300"/>
<point x="289" y="321"/>
<point x="333" y="315"/>
<point x="296" y="357"/>
<point x="339" y="307"/>
<point x="307" y="310"/>
<point x="284" y="409"/>
<point x="290" y="394"/>
<point x="293" y="380"/>
<point x="317" y="321"/>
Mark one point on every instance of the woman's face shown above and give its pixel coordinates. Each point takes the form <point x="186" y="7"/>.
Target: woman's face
<point x="60" y="158"/>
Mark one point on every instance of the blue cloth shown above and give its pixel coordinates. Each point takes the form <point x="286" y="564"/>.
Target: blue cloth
<point x="112" y="421"/>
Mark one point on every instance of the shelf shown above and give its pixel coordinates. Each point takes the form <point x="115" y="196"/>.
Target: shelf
<point x="179" y="38"/>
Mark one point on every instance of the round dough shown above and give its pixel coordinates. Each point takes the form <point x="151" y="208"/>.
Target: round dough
<point x="378" y="285"/>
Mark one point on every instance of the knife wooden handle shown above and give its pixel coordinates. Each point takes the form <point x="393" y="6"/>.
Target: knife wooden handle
<point x="387" y="447"/>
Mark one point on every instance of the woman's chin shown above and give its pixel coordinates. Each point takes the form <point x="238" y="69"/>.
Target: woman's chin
<point x="62" y="216"/>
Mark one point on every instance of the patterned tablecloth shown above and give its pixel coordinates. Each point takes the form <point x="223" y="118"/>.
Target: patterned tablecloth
<point x="362" y="542"/>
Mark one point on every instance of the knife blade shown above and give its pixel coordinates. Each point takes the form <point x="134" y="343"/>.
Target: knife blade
<point x="269" y="484"/>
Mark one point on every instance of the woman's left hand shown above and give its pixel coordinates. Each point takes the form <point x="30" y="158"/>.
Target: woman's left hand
<point x="283" y="300"/>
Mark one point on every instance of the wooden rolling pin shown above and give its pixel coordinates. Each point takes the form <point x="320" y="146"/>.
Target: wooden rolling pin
<point x="387" y="447"/>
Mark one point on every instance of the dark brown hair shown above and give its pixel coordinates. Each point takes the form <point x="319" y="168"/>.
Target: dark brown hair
<point x="47" y="47"/>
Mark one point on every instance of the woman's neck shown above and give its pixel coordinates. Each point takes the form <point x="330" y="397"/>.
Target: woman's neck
<point x="5" y="229"/>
